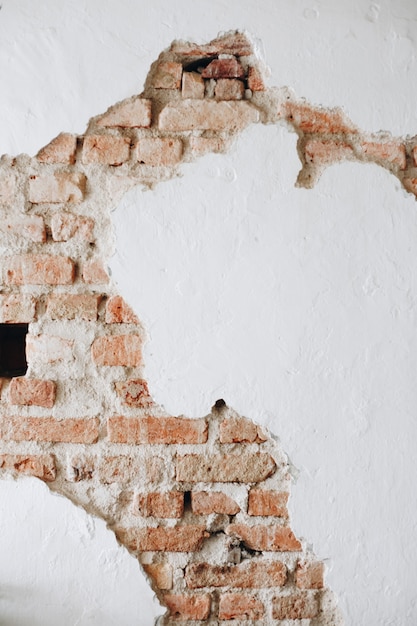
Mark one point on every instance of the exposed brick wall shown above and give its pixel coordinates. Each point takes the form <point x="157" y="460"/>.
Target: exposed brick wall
<point x="202" y="502"/>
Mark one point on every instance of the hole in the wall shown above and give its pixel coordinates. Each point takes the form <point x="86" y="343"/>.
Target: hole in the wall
<point x="13" y="350"/>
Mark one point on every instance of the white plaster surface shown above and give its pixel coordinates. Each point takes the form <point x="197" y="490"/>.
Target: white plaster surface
<point x="298" y="307"/>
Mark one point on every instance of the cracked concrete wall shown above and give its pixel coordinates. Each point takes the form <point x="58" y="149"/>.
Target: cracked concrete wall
<point x="348" y="148"/>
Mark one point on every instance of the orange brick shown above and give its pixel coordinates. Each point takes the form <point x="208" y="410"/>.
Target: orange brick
<point x="251" y="574"/>
<point x="94" y="272"/>
<point x="327" y="152"/>
<point x="240" y="606"/>
<point x="314" y="120"/>
<point x="188" y="607"/>
<point x="223" y="68"/>
<point x="295" y="606"/>
<point x="30" y="227"/>
<point x="310" y="575"/>
<point x="118" y="469"/>
<point x="42" y="466"/>
<point x="51" y="430"/>
<point x="134" y="113"/>
<point x="60" y="150"/>
<point x="241" y="468"/>
<point x="56" y="188"/>
<point x="262" y="502"/>
<point x="390" y="152"/>
<point x="192" y="85"/>
<point x="207" y="502"/>
<point x="266" y="538"/>
<point x="71" y="306"/>
<point x="119" y="312"/>
<point x="207" y="115"/>
<point x="179" y="539"/>
<point x="168" y="75"/>
<point x="134" y="392"/>
<point x="28" y="391"/>
<point x="165" y="505"/>
<point x="48" y="349"/>
<point x="105" y="149"/>
<point x="255" y="81"/>
<point x="157" y="430"/>
<point x="66" y="226"/>
<point x="158" y="151"/>
<point x="18" y="309"/>
<point x="39" y="269"/>
<point x="229" y="89"/>
<point x="160" y="574"/>
<point x="240" y="429"/>
<point x="113" y="350"/>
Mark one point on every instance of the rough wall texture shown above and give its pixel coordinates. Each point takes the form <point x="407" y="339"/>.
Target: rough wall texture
<point x="201" y="502"/>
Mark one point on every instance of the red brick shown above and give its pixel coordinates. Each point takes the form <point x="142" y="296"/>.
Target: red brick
<point x="241" y="468"/>
<point x="94" y="272"/>
<point x="327" y="152"/>
<point x="188" y="607"/>
<point x="30" y="227"/>
<point x="71" y="306"/>
<point x="154" y="504"/>
<point x="390" y="152"/>
<point x="56" y="188"/>
<point x="60" y="150"/>
<point x="178" y="539"/>
<point x="158" y="151"/>
<point x="240" y="429"/>
<point x="295" y="606"/>
<point x="105" y="149"/>
<point x="42" y="466"/>
<point x="314" y="120"/>
<point x="229" y="89"/>
<point x="28" y="391"/>
<point x="266" y="538"/>
<point x="7" y="189"/>
<point x="18" y="309"/>
<point x="192" y="85"/>
<point x="240" y="606"/>
<point x="255" y="81"/>
<point x="263" y="503"/>
<point x="207" y="115"/>
<point x="157" y="430"/>
<point x="65" y="226"/>
<point x="119" y="312"/>
<point x="160" y="574"/>
<point x="204" y="145"/>
<point x="118" y="469"/>
<point x="48" y="349"/>
<point x="134" y="113"/>
<point x="233" y="43"/>
<point x="223" y="68"/>
<point x="51" y="430"/>
<point x="39" y="269"/>
<point x="168" y="75"/>
<point x="310" y="575"/>
<point x="134" y="392"/>
<point x="207" y="502"/>
<point x="251" y="574"/>
<point x="113" y="350"/>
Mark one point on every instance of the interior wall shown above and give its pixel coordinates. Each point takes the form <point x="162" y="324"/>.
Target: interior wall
<point x="327" y="272"/>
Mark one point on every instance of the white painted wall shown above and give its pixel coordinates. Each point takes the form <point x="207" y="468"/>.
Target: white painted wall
<point x="298" y="307"/>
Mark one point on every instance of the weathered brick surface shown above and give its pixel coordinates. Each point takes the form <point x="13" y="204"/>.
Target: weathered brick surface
<point x="310" y="575"/>
<point x="266" y="538"/>
<point x="50" y="429"/>
<point x="240" y="606"/>
<point x="105" y="149"/>
<point x="60" y="150"/>
<point x="390" y="151"/>
<point x="232" y="43"/>
<point x="71" y="306"/>
<point x="41" y="466"/>
<point x="134" y="392"/>
<point x="262" y="502"/>
<point x="206" y="502"/>
<point x="157" y="430"/>
<point x="125" y="350"/>
<point x="318" y="121"/>
<point x="94" y="272"/>
<point x="323" y="152"/>
<point x="255" y="81"/>
<point x="56" y="188"/>
<point x="39" y="269"/>
<point x="223" y="68"/>
<point x="229" y="89"/>
<point x="241" y="468"/>
<point x="7" y="188"/>
<point x="192" y="85"/>
<point x="240" y="429"/>
<point x="17" y="309"/>
<point x="295" y="606"/>
<point x="251" y="574"/>
<point x="48" y="349"/>
<point x="119" y="312"/>
<point x="165" y="505"/>
<point x="207" y="115"/>
<point x="158" y="151"/>
<point x="168" y="75"/>
<point x="204" y="145"/>
<point x="31" y="227"/>
<point x="28" y="391"/>
<point x="188" y="607"/>
<point x="135" y="113"/>
<point x="161" y="575"/>
<point x="65" y="226"/>
<point x="118" y="469"/>
<point x="179" y="539"/>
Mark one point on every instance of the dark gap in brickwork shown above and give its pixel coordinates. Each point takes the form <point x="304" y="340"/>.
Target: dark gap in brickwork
<point x="13" y="350"/>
